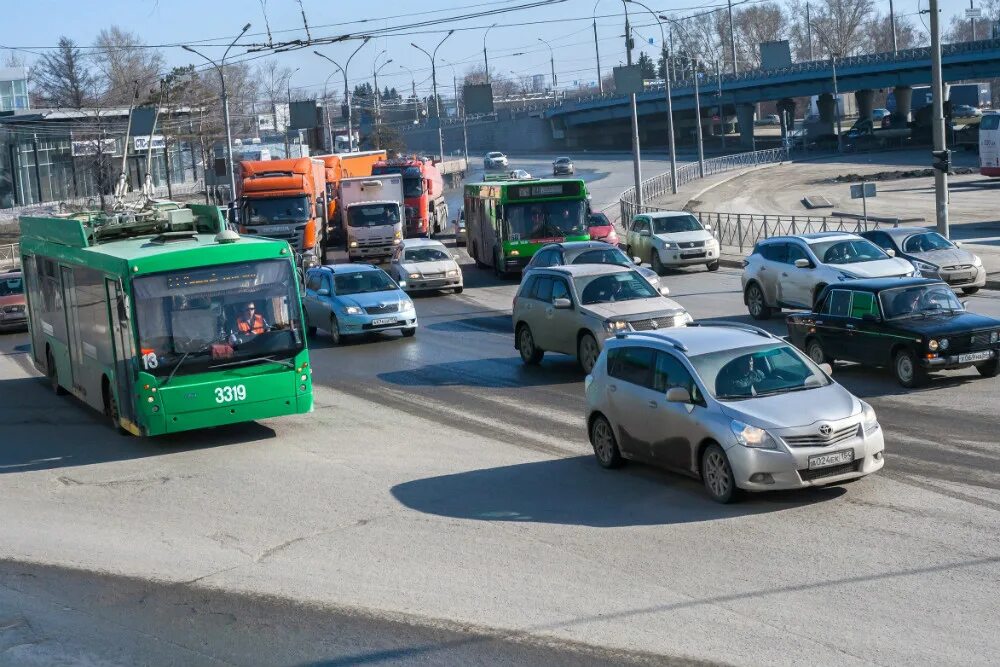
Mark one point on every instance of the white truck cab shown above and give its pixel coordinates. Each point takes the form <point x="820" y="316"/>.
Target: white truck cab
<point x="371" y="209"/>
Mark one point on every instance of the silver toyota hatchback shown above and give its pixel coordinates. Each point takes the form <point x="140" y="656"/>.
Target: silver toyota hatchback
<point x="730" y="404"/>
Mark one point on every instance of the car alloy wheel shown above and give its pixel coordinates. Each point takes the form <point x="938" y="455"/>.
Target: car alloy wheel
<point x="587" y="352"/>
<point x="758" y="308"/>
<point x="602" y="438"/>
<point x="530" y="354"/>
<point x="717" y="474"/>
<point x="656" y="264"/>
<point x="334" y="330"/>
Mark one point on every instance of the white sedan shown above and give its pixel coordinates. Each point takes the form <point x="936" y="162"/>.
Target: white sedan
<point x="424" y="264"/>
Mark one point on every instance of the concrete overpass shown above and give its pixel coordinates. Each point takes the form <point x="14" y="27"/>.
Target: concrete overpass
<point x="594" y="121"/>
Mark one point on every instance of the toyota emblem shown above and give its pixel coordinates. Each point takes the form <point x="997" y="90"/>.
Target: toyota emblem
<point x="825" y="430"/>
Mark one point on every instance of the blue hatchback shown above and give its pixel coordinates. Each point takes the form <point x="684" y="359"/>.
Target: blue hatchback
<point x="351" y="299"/>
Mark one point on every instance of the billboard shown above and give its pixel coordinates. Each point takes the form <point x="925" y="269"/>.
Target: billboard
<point x="628" y="80"/>
<point x="93" y="146"/>
<point x="304" y="115"/>
<point x="142" y="143"/>
<point x="775" y="55"/>
<point x="141" y="121"/>
<point x="478" y="98"/>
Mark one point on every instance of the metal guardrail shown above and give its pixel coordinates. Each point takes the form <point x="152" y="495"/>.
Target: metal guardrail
<point x="10" y="255"/>
<point x="93" y="201"/>
<point x="744" y="230"/>
<point x="660" y="184"/>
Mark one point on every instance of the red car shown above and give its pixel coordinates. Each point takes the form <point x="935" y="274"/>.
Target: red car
<point x="601" y="229"/>
<point x="13" y="313"/>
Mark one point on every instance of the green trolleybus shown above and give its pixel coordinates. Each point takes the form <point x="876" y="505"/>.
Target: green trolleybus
<point x="507" y="221"/>
<point x="163" y="319"/>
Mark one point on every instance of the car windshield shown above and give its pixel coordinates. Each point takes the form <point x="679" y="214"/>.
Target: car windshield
<point x="277" y="210"/>
<point x="425" y="255"/>
<point x="494" y="155"/>
<point x="598" y="220"/>
<point x="545" y="220"/>
<point x="372" y="215"/>
<point x="563" y="160"/>
<point x="847" y="251"/>
<point x="763" y="370"/>
<point x="608" y="255"/>
<point x="676" y="223"/>
<point x="196" y="319"/>
<point x="359" y="282"/>
<point x="624" y="286"/>
<point x="919" y="301"/>
<point x="926" y="243"/>
<point x="11" y="285"/>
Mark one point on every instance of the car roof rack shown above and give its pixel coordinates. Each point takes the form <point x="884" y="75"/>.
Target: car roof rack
<point x="749" y="328"/>
<point x="657" y="336"/>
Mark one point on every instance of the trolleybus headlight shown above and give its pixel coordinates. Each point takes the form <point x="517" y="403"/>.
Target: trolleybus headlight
<point x="932" y="345"/>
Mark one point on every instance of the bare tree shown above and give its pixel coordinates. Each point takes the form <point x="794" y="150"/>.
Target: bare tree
<point x="960" y="28"/>
<point x="878" y="34"/>
<point x="272" y="80"/>
<point x="63" y="78"/>
<point x="14" y="59"/>
<point x="503" y="86"/>
<point x="123" y="59"/>
<point x="839" y="27"/>
<point x="754" y="25"/>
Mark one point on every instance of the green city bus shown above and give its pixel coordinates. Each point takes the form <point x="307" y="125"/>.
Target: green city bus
<point x="163" y="319"/>
<point x="507" y="221"/>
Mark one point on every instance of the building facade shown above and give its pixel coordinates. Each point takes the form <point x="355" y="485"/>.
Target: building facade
<point x="14" y="89"/>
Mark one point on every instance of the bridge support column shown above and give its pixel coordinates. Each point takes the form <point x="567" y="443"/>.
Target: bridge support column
<point x="744" y="116"/>
<point x="827" y="113"/>
<point x="866" y="103"/>
<point x="904" y="100"/>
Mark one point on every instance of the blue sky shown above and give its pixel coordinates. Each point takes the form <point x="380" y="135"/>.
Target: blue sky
<point x="40" y="23"/>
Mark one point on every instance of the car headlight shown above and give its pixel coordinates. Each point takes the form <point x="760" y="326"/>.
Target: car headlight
<point x="451" y="273"/>
<point x="614" y="326"/>
<point x="976" y="262"/>
<point x="924" y="267"/>
<point x="932" y="345"/>
<point x="869" y="421"/>
<point x="684" y="319"/>
<point x="354" y="244"/>
<point x="751" y="436"/>
<point x="353" y="310"/>
<point x="668" y="245"/>
<point x="405" y="306"/>
<point x="943" y="343"/>
<point x="414" y="276"/>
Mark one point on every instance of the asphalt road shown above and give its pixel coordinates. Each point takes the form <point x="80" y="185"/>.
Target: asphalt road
<point x="442" y="506"/>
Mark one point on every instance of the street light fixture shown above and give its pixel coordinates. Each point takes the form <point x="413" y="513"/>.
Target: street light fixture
<point x="413" y="88"/>
<point x="347" y="92"/>
<point x="434" y="85"/>
<point x="486" y="60"/>
<point x="377" y="109"/>
<point x="697" y="98"/>
<point x="597" y="51"/>
<point x="634" y="112"/>
<point x="465" y="128"/>
<point x="552" y="63"/>
<point x="220" y="67"/>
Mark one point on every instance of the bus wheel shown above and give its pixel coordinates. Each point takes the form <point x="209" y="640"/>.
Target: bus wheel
<point x="53" y="373"/>
<point x="475" y="256"/>
<point x="111" y="409"/>
<point x="498" y="265"/>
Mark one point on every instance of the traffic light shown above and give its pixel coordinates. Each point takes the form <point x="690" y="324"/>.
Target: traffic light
<point x="942" y="160"/>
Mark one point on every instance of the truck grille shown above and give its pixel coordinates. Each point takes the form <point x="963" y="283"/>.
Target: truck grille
<point x="17" y="308"/>
<point x="832" y="471"/>
<point x="380" y="309"/>
<point x="818" y="440"/>
<point x="654" y="323"/>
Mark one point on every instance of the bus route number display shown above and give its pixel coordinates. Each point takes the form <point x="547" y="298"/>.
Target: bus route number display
<point x="570" y="189"/>
<point x="238" y="277"/>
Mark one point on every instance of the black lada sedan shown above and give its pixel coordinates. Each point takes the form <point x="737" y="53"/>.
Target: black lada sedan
<point x="912" y="325"/>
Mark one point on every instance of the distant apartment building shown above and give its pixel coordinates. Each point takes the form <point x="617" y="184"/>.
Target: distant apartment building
<point x="13" y="88"/>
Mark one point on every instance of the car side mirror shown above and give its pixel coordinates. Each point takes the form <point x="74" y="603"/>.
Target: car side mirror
<point x="455" y="256"/>
<point x="958" y="244"/>
<point x="965" y="304"/>
<point x="890" y="252"/>
<point x="678" y="395"/>
<point x="664" y="291"/>
<point x="708" y="228"/>
<point x="637" y="261"/>
<point x="644" y="232"/>
<point x="870" y="317"/>
<point x="322" y="292"/>
<point x="562" y="303"/>
<point x="826" y="368"/>
<point x="802" y="263"/>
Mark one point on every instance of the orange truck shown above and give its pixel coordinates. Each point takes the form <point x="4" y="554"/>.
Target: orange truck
<point x="339" y="166"/>
<point x="284" y="199"/>
<point x="423" y="192"/>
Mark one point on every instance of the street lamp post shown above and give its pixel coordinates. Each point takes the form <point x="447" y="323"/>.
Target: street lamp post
<point x="697" y="98"/>
<point x="288" y="128"/>
<point x="413" y="90"/>
<point x="597" y="51"/>
<point x="552" y="64"/>
<point x="636" y="155"/>
<point x="326" y="113"/>
<point x="486" y="60"/>
<point x="347" y="92"/>
<point x="220" y="67"/>
<point x="465" y="128"/>
<point x="377" y="107"/>
<point x="434" y="86"/>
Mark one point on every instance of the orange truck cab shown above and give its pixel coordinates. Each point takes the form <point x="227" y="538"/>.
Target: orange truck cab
<point x="339" y="166"/>
<point x="423" y="194"/>
<point x="283" y="199"/>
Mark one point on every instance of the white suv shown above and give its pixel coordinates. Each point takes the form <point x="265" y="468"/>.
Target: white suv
<point x="495" y="160"/>
<point x="791" y="271"/>
<point x="672" y="238"/>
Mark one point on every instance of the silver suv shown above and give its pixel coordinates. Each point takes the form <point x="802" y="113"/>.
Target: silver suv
<point x="791" y="271"/>
<point x="729" y="404"/>
<point x="672" y="238"/>
<point x="574" y="309"/>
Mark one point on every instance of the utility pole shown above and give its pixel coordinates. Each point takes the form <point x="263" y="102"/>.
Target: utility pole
<point x="220" y="67"/>
<point x="597" y="51"/>
<point x="809" y="32"/>
<point x="552" y="63"/>
<point x="347" y="91"/>
<point x="434" y="86"/>
<point x="378" y="99"/>
<point x="697" y="119"/>
<point x="732" y="35"/>
<point x="722" y="119"/>
<point x="486" y="60"/>
<point x="288" y="128"/>
<point x="413" y="89"/>
<point x="636" y="157"/>
<point x="892" y="23"/>
<point x="972" y="21"/>
<point x="836" y="104"/>
<point x="937" y="95"/>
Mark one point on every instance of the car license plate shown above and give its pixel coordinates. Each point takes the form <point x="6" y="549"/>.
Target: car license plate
<point x="383" y="320"/>
<point x="974" y="356"/>
<point x="831" y="459"/>
<point x="691" y="253"/>
<point x="960" y="277"/>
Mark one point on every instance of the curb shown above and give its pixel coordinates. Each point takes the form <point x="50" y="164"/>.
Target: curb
<point x="697" y="195"/>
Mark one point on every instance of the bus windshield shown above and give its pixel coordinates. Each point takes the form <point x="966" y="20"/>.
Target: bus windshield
<point x="277" y="210"/>
<point x="540" y="220"/>
<point x="372" y="215"/>
<point x="193" y="320"/>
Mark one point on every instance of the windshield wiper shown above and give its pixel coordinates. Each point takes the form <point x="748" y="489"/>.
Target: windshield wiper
<point x="256" y="360"/>
<point x="174" y="369"/>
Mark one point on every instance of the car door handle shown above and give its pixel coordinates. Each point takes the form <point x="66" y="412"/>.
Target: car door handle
<point x="652" y="404"/>
<point x="612" y="387"/>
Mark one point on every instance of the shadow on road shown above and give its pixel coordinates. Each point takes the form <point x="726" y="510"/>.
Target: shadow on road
<point x="42" y="431"/>
<point x="575" y="491"/>
<point x="493" y="372"/>
<point x="492" y="324"/>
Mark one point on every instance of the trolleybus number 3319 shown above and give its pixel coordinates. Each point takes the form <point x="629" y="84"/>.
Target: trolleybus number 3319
<point x="237" y="392"/>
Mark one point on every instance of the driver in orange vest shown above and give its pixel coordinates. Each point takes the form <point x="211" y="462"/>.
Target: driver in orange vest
<point x="251" y="321"/>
